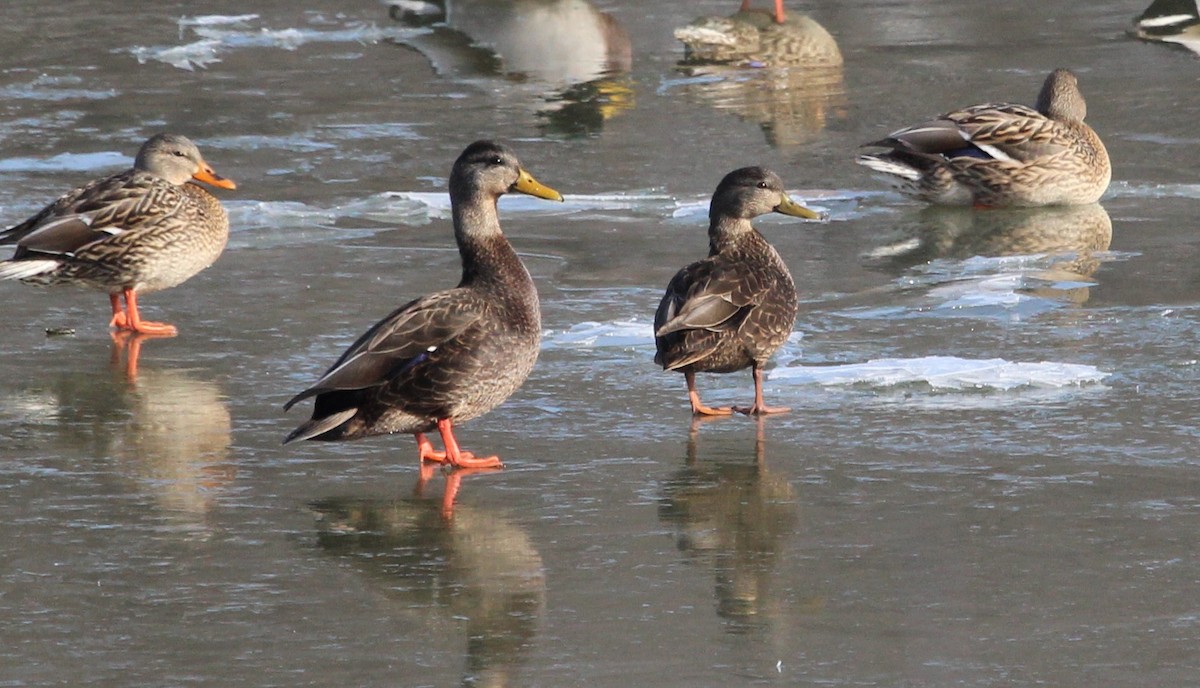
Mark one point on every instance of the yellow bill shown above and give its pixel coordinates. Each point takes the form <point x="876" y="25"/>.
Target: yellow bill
<point x="526" y="184"/>
<point x="790" y="207"/>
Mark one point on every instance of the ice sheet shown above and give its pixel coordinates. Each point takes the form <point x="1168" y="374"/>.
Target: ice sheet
<point x="944" y="372"/>
<point x="218" y="34"/>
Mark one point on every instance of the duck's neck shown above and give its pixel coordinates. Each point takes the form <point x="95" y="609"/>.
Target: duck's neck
<point x="726" y="233"/>
<point x="486" y="254"/>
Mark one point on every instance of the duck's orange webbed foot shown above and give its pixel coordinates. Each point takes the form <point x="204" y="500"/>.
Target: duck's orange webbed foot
<point x="156" y="329"/>
<point x="453" y="456"/>
<point x="757" y="410"/>
<point x="702" y="410"/>
<point x="454" y="472"/>
<point x="129" y="318"/>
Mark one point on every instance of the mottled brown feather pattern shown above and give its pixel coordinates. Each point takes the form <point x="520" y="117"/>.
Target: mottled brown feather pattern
<point x="135" y="229"/>
<point x="1001" y="154"/>
<point x="156" y="249"/>
<point x="753" y="37"/>
<point x="736" y="307"/>
<point x="398" y="385"/>
<point x="763" y="302"/>
<point x="454" y="354"/>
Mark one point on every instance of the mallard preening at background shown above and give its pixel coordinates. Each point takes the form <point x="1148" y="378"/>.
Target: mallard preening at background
<point x="452" y="355"/>
<point x="139" y="231"/>
<point x="786" y="77"/>
<point x="753" y="38"/>
<point x="733" y="309"/>
<point x="1001" y="155"/>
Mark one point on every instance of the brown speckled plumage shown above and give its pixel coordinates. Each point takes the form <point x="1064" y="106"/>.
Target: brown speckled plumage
<point x="733" y="309"/>
<point x="752" y="37"/>
<point x="1000" y="154"/>
<point x="452" y="355"/>
<point x="785" y="77"/>
<point x="142" y="230"/>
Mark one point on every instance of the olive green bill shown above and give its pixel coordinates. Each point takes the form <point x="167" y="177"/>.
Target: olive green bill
<point x="790" y="207"/>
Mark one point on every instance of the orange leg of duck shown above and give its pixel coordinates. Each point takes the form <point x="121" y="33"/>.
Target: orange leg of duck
<point x="759" y="408"/>
<point x="778" y="9"/>
<point x="452" y="456"/>
<point x="118" y="320"/>
<point x="131" y="320"/>
<point x="698" y="407"/>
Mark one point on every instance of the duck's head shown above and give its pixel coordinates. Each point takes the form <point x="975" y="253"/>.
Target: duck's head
<point x="752" y="191"/>
<point x="1061" y="98"/>
<point x="491" y="169"/>
<point x="176" y="159"/>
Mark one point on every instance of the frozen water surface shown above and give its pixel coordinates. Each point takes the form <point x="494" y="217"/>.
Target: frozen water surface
<point x="988" y="476"/>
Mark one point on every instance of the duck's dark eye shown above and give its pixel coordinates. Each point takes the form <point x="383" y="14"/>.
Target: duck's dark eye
<point x="762" y="185"/>
<point x="497" y="160"/>
<point x="179" y="153"/>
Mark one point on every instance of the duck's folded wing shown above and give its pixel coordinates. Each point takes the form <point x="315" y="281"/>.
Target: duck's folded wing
<point x="701" y="312"/>
<point x="997" y="131"/>
<point x="66" y="235"/>
<point x="101" y="209"/>
<point x="706" y="299"/>
<point x="935" y="137"/>
<point x="1010" y="132"/>
<point x="396" y="343"/>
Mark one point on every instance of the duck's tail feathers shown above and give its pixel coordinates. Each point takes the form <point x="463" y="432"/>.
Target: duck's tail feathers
<point x="889" y="167"/>
<point x="320" y="426"/>
<point x="24" y="269"/>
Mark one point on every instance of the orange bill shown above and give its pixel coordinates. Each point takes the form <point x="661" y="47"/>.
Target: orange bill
<point x="207" y="176"/>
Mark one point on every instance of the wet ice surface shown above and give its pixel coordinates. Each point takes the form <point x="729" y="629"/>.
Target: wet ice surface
<point x="987" y="478"/>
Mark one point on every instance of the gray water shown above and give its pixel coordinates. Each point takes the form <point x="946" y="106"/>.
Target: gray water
<point x="989" y="476"/>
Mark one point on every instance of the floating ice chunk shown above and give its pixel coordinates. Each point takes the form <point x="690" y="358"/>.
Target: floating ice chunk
<point x="190" y="56"/>
<point x="590" y="334"/>
<point x="252" y="214"/>
<point x="944" y="372"/>
<point x="820" y="201"/>
<point x="372" y="131"/>
<point x="690" y="210"/>
<point x="54" y="88"/>
<point x="1006" y="288"/>
<point x="1152" y="190"/>
<point x="292" y="38"/>
<point x="66" y="162"/>
<point x="384" y="208"/>
<point x="438" y="203"/>
<point x="219" y="34"/>
<point x="217" y="20"/>
<point x="299" y="142"/>
<point x="388" y="208"/>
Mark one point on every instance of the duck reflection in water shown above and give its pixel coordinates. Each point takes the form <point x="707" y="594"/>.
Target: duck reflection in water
<point x="732" y="516"/>
<point x="175" y="443"/>
<point x="786" y="77"/>
<point x="1070" y="237"/>
<point x="477" y="573"/>
<point x="565" y="56"/>
<point x="127" y="350"/>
